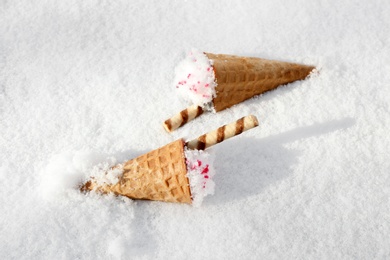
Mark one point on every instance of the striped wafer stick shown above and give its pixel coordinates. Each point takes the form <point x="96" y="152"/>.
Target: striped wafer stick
<point x="183" y="117"/>
<point x="223" y="133"/>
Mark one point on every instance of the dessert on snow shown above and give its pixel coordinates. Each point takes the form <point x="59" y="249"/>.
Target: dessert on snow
<point x="177" y="172"/>
<point x="214" y="82"/>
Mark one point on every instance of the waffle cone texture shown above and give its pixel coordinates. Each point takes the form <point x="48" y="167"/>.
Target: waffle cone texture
<point x="240" y="78"/>
<point x="158" y="175"/>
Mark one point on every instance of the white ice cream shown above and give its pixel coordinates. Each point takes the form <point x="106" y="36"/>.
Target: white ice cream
<point x="195" y="79"/>
<point x="200" y="173"/>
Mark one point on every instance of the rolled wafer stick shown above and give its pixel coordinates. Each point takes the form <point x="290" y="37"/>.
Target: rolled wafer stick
<point x="182" y="118"/>
<point x="223" y="133"/>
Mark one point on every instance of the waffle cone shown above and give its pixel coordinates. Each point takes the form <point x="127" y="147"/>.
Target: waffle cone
<point x="240" y="78"/>
<point x="158" y="175"/>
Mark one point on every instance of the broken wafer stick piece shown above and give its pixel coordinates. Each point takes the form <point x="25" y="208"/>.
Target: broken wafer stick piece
<point x="183" y="117"/>
<point x="223" y="133"/>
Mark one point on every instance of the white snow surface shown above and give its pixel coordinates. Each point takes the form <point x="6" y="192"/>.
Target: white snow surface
<point x="68" y="171"/>
<point x="311" y="182"/>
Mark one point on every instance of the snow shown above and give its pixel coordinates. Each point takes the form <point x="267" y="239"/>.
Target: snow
<point x="78" y="79"/>
<point x="69" y="170"/>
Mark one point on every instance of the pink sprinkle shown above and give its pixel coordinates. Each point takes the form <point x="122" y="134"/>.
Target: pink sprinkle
<point x="195" y="165"/>
<point x="209" y="68"/>
<point x="206" y="170"/>
<point x="206" y="176"/>
<point x="189" y="75"/>
<point x="198" y="82"/>
<point x="206" y="85"/>
<point x="206" y="96"/>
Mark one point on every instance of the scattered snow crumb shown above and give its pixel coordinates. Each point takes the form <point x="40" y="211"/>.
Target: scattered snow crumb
<point x="200" y="173"/>
<point x="103" y="173"/>
<point x="195" y="79"/>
